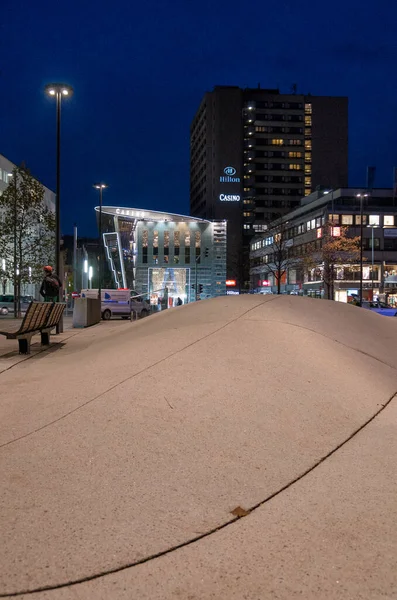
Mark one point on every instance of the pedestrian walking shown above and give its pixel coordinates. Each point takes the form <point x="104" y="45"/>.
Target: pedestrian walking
<point x="51" y="286"/>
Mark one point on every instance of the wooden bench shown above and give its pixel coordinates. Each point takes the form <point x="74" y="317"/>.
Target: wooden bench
<point x="40" y="317"/>
<point x="54" y="318"/>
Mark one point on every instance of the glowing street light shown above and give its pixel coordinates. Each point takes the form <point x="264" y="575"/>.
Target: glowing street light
<point x="58" y="90"/>
<point x="361" y="197"/>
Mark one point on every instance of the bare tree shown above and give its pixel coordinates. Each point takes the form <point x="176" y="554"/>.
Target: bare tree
<point x="337" y="248"/>
<point x="279" y="256"/>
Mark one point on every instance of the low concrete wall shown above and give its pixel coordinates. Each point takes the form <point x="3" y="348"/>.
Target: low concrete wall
<point x="86" y="312"/>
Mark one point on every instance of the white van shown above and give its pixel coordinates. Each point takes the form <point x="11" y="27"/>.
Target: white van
<point x="119" y="303"/>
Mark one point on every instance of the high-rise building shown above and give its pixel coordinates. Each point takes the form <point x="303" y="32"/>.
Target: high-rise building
<point x="254" y="153"/>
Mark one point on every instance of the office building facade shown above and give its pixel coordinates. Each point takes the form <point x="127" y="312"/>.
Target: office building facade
<point x="149" y="251"/>
<point x="304" y="232"/>
<point x="255" y="152"/>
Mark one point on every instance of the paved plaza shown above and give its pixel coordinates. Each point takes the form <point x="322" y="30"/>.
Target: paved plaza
<point x="237" y="448"/>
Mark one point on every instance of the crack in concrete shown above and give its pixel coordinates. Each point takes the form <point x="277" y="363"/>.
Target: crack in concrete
<point x="211" y="531"/>
<point x="64" y="416"/>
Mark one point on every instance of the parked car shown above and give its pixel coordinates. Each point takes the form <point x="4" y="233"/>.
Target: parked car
<point x="7" y="302"/>
<point x="139" y="304"/>
<point x="381" y="308"/>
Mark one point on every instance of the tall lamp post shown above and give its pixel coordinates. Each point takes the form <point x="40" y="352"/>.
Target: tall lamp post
<point x="372" y="257"/>
<point x="58" y="91"/>
<point x="100" y="187"/>
<point x="361" y="197"/>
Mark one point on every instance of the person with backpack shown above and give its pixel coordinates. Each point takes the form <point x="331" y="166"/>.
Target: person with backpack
<point x="51" y="286"/>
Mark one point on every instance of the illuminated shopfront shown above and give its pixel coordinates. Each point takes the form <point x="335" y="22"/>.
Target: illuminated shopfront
<point x="161" y="255"/>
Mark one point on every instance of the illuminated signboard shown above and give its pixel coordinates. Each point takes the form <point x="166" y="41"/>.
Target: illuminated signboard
<point x="228" y="176"/>
<point x="230" y="282"/>
<point x="265" y="283"/>
<point x="229" y="198"/>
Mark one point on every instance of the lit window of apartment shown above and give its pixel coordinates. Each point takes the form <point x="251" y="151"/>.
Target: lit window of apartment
<point x="308" y="109"/>
<point x="260" y="129"/>
<point x="308" y="144"/>
<point x="347" y="219"/>
<point x="295" y="142"/>
<point x="308" y="169"/>
<point x="308" y="157"/>
<point x="319" y="233"/>
<point x="278" y="142"/>
<point x="374" y="219"/>
<point x="295" y="167"/>
<point x="308" y="131"/>
<point x="358" y="219"/>
<point x="294" y="154"/>
<point x="308" y="121"/>
<point x="308" y="225"/>
<point x="246" y="226"/>
<point x="308" y="181"/>
<point x="388" y="220"/>
<point x="248" y="214"/>
<point x="307" y="192"/>
<point x="334" y="219"/>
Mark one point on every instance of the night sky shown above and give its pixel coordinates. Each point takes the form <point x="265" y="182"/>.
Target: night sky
<point x="139" y="71"/>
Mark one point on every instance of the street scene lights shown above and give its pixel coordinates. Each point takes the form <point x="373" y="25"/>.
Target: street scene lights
<point x="58" y="91"/>
<point x="361" y="198"/>
<point x="100" y="187"/>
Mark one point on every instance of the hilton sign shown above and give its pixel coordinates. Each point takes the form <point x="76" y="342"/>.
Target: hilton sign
<point x="228" y="176"/>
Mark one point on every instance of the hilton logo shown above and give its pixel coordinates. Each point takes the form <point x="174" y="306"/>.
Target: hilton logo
<point x="228" y="177"/>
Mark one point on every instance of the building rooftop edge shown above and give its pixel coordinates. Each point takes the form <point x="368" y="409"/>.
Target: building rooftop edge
<point x="150" y="214"/>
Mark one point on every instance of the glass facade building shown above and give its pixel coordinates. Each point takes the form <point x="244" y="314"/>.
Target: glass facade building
<point x="151" y="251"/>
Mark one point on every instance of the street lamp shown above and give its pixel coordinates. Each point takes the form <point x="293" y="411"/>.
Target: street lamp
<point x="100" y="187"/>
<point x="372" y="225"/>
<point x="361" y="197"/>
<point x="58" y="91"/>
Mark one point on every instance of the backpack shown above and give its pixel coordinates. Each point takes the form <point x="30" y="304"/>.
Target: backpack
<point x="51" y="286"/>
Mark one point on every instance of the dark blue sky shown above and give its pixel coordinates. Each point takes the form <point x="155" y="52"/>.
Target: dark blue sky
<point x="140" y="69"/>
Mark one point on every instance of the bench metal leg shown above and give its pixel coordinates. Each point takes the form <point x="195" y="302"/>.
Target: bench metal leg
<point x="45" y="338"/>
<point x="24" y="346"/>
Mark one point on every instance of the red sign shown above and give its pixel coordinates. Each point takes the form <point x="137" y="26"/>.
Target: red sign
<point x="75" y="295"/>
<point x="230" y="282"/>
<point x="265" y="283"/>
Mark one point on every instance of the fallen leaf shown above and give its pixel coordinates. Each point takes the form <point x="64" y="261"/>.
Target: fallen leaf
<point x="240" y="512"/>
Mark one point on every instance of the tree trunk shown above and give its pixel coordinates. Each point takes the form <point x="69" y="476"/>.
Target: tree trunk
<point x="19" y="313"/>
<point x="278" y="283"/>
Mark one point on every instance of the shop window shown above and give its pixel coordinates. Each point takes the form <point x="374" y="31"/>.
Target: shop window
<point x="155" y="240"/>
<point x="374" y="219"/>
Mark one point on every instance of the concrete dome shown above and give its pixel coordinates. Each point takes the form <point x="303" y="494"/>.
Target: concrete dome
<point x="133" y="440"/>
